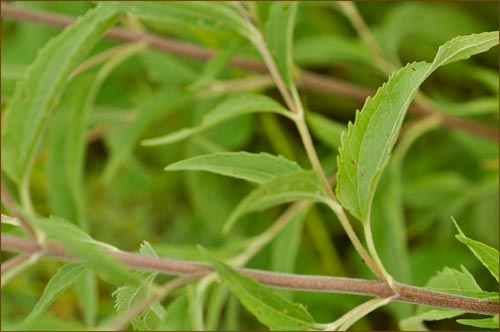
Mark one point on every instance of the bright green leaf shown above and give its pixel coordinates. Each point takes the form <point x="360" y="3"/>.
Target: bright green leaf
<point x="269" y="308"/>
<point x="486" y="254"/>
<point x="367" y="144"/>
<point x="463" y="47"/>
<point x="484" y="323"/>
<point x="37" y="94"/>
<point x="176" y="316"/>
<point x="279" y="36"/>
<point x="64" y="278"/>
<point x="253" y="167"/>
<point x="228" y="109"/>
<point x="302" y="185"/>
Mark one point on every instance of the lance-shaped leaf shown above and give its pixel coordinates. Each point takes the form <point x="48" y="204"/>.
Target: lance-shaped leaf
<point x="64" y="278"/>
<point x="302" y="185"/>
<point x="367" y="144"/>
<point x="253" y="167"/>
<point x="486" y="254"/>
<point x="279" y="36"/>
<point x="36" y="95"/>
<point x="228" y="109"/>
<point x="269" y="308"/>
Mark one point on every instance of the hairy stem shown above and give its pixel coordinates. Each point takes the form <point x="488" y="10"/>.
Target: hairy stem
<point x="167" y="266"/>
<point x="305" y="79"/>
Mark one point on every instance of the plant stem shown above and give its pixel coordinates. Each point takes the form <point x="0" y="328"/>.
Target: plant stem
<point x="167" y="266"/>
<point x="8" y="202"/>
<point x="305" y="79"/>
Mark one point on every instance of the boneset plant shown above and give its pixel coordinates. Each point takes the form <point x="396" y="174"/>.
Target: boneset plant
<point x="46" y="122"/>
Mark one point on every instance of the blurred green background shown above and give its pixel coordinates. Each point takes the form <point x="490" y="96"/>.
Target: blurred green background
<point x="129" y="198"/>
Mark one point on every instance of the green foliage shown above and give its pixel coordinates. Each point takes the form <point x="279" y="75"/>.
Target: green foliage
<point x="279" y="36"/>
<point x="88" y="127"/>
<point x="258" y="168"/>
<point x="66" y="276"/>
<point x="302" y="185"/>
<point x="367" y="144"/>
<point x="232" y="107"/>
<point x="269" y="308"/>
<point x="38" y="92"/>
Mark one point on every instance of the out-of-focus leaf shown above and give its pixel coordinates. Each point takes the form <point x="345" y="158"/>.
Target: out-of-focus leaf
<point x="415" y="323"/>
<point x="253" y="167"/>
<point x="330" y="50"/>
<point x="484" y="323"/>
<point x="176" y="316"/>
<point x="29" y="111"/>
<point x="486" y="254"/>
<point x="84" y="246"/>
<point x="123" y="139"/>
<point x="326" y="130"/>
<point x="268" y="307"/>
<point x="64" y="278"/>
<point x="279" y="36"/>
<point x="302" y="185"/>
<point x="228" y="109"/>
<point x="211" y="16"/>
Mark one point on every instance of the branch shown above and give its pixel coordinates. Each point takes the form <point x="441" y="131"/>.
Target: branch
<point x="380" y="289"/>
<point x="305" y="79"/>
<point x="9" y="204"/>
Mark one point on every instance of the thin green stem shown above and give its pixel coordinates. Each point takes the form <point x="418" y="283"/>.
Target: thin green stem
<point x="374" y="254"/>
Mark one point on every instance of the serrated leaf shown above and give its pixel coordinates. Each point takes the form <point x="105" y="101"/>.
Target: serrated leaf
<point x="253" y="167"/>
<point x="64" y="278"/>
<point x="84" y="246"/>
<point x="279" y="36"/>
<point x="463" y="47"/>
<point x="269" y="308"/>
<point x="486" y="254"/>
<point x="129" y="295"/>
<point x="228" y="109"/>
<point x="215" y="16"/>
<point x="30" y="108"/>
<point x="484" y="323"/>
<point x="302" y="185"/>
<point x="367" y="144"/>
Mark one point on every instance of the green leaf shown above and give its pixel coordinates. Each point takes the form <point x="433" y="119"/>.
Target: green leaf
<point x="253" y="167"/>
<point x="484" y="323"/>
<point x="302" y="185"/>
<point x="228" y="109"/>
<point x="463" y="47"/>
<point x="325" y="130"/>
<point x="123" y="139"/>
<point x="64" y="278"/>
<point x="36" y="95"/>
<point x="214" y="16"/>
<point x="84" y="246"/>
<point x="129" y="295"/>
<point x="269" y="308"/>
<point x="366" y="146"/>
<point x="415" y="323"/>
<point x="176" y="316"/>
<point x="486" y="254"/>
<point x="279" y="36"/>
